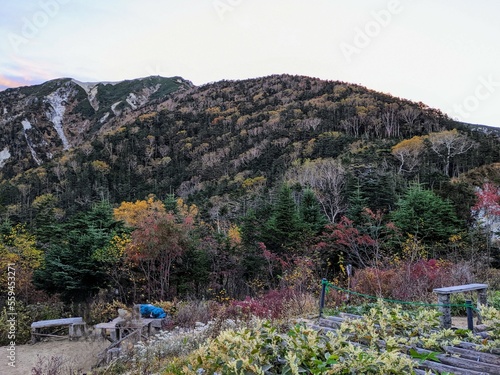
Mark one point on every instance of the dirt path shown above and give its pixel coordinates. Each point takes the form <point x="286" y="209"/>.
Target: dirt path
<point x="69" y="355"/>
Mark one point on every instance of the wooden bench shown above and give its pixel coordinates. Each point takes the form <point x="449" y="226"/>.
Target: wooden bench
<point x="76" y="328"/>
<point x="444" y="299"/>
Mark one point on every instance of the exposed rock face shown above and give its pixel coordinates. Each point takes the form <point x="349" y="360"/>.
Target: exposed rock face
<point x="38" y="122"/>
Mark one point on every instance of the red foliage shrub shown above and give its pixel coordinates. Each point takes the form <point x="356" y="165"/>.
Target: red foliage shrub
<point x="410" y="281"/>
<point x="269" y="306"/>
<point x="374" y="282"/>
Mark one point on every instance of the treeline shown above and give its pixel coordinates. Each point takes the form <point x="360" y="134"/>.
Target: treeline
<point x="151" y="250"/>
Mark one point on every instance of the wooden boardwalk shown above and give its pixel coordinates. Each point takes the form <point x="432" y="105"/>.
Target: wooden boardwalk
<point x="463" y="359"/>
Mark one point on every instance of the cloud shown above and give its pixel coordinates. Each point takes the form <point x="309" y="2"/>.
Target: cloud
<point x="10" y="82"/>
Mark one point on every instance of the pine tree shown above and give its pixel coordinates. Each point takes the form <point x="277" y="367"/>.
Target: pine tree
<point x="311" y="215"/>
<point x="70" y="268"/>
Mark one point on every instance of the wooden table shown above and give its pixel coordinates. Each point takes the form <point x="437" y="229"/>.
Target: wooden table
<point x="121" y="329"/>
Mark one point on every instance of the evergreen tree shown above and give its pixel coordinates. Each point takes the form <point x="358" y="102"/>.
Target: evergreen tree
<point x="311" y="215"/>
<point x="70" y="268"/>
<point x="425" y="215"/>
<point x="357" y="203"/>
<point x="284" y="229"/>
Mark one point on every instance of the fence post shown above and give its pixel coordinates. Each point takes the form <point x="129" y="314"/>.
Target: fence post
<point x="470" y="323"/>
<point x="322" y="296"/>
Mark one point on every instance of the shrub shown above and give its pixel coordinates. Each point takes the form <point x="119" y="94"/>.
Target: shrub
<point x="25" y="315"/>
<point x="266" y="349"/>
<point x="275" y="304"/>
<point x="187" y="313"/>
<point x="101" y="312"/>
<point x="54" y="365"/>
<point x="410" y="281"/>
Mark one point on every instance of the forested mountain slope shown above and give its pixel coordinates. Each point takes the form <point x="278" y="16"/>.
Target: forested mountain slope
<point x="223" y="145"/>
<point x="39" y="122"/>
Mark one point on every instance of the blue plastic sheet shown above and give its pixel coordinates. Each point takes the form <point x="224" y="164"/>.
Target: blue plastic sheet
<point x="150" y="311"/>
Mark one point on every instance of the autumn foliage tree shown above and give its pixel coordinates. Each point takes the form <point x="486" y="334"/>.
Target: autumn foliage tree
<point x="159" y="239"/>
<point x="156" y="244"/>
<point x="487" y="210"/>
<point x="360" y="244"/>
<point x="409" y="152"/>
<point x="133" y="213"/>
<point x="19" y="250"/>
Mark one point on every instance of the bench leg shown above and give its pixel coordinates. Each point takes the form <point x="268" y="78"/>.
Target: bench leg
<point x="445" y="309"/>
<point x="482" y="300"/>
<point x="34" y="336"/>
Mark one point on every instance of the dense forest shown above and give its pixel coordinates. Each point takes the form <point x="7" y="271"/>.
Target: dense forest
<point x="237" y="187"/>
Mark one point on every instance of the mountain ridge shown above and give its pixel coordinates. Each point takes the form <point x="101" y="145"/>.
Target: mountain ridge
<point x="74" y="110"/>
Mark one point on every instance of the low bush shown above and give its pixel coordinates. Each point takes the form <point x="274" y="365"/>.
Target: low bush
<point x="25" y="315"/>
<point x="410" y="281"/>
<point x="101" y="312"/>
<point x="266" y="349"/>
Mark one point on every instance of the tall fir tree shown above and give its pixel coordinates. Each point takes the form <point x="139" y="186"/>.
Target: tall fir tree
<point x="310" y="213"/>
<point x="284" y="229"/>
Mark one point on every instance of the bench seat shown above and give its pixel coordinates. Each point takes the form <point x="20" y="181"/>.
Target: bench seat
<point x="460" y="288"/>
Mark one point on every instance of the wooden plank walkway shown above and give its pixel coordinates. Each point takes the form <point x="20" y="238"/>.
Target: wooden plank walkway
<point x="462" y="359"/>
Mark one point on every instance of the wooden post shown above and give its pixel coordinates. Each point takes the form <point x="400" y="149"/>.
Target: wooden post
<point x="445" y="309"/>
<point x="470" y="323"/>
<point x="482" y="300"/>
<point x="322" y="297"/>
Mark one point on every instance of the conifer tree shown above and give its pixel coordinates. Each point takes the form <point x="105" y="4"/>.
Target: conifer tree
<point x="70" y="267"/>
<point x="425" y="215"/>
<point x="311" y="215"/>
<point x="284" y="229"/>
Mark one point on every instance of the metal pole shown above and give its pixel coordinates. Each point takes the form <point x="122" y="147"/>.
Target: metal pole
<point x="470" y="323"/>
<point x="322" y="297"/>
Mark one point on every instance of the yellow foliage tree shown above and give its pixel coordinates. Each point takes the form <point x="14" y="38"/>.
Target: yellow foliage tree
<point x="133" y="213"/>
<point x="408" y="152"/>
<point x="234" y="235"/>
<point x="19" y="254"/>
<point x="186" y="211"/>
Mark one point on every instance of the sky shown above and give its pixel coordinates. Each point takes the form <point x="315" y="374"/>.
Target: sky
<point x="444" y="53"/>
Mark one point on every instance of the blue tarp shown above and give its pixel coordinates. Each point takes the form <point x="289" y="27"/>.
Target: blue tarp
<point x="150" y="311"/>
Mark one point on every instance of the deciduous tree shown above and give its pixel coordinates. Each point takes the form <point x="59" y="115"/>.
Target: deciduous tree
<point x="409" y="152"/>
<point x="448" y="144"/>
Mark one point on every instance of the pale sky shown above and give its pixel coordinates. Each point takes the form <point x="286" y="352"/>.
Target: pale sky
<point x="444" y="53"/>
